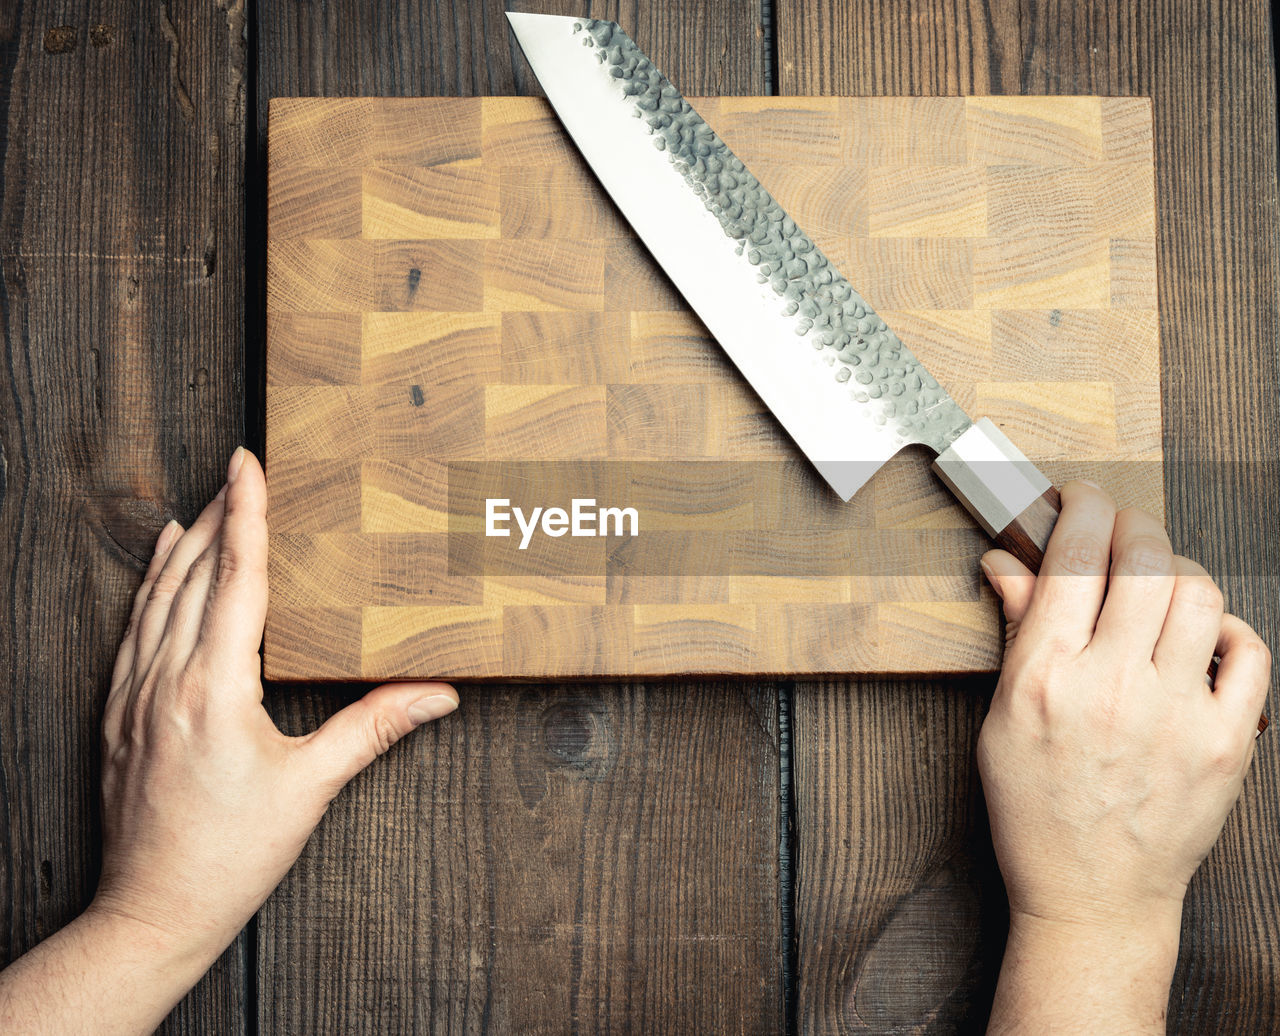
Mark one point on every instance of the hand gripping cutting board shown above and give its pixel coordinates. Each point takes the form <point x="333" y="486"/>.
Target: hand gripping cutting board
<point x="457" y="314"/>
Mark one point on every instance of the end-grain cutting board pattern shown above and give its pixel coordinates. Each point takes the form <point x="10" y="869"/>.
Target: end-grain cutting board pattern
<point x="454" y="306"/>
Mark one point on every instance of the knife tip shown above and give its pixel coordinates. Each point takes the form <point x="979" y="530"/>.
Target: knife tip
<point x="524" y="18"/>
<point x="534" y="30"/>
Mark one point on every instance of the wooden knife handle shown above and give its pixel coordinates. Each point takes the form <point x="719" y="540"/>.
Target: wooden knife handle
<point x="1027" y="536"/>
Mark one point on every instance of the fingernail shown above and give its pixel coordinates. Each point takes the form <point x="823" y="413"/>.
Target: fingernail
<point x="165" y="540"/>
<point x="991" y="577"/>
<point x="1088" y="483"/>
<point x="221" y="492"/>
<point x="433" y="706"/>
<point x="233" y="468"/>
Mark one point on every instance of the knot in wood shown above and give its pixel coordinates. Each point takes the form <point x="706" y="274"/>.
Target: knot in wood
<point x="61" y="39"/>
<point x="575" y="734"/>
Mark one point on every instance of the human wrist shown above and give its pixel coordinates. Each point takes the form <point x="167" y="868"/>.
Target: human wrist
<point x="1088" y="973"/>
<point x="180" y="952"/>
<point x="1153" y="923"/>
<point x="120" y="970"/>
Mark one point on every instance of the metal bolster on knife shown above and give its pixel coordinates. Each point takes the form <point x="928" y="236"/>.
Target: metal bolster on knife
<point x="992" y="478"/>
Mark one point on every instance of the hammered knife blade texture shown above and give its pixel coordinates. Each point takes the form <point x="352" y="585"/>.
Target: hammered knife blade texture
<point x="838" y="379"/>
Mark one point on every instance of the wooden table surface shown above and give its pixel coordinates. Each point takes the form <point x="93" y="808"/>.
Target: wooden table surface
<point x="670" y="856"/>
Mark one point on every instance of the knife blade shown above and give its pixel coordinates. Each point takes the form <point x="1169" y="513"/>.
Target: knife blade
<point x="837" y="378"/>
<point x="842" y="384"/>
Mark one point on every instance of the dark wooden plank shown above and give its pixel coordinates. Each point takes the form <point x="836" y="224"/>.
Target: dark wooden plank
<point x="1209" y="68"/>
<point x="900" y="912"/>
<point x="463" y="48"/>
<point x="591" y="857"/>
<point x="122" y="136"/>
<point x="908" y="48"/>
<point x="554" y="857"/>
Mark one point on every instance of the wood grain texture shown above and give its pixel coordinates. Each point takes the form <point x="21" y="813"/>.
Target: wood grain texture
<point x="900" y="912"/>
<point x="499" y="873"/>
<point x="121" y="309"/>
<point x="507" y="314"/>
<point x="598" y="858"/>
<point x="1209" y="70"/>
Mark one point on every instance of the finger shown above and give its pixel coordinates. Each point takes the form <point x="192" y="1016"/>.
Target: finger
<point x="111" y="717"/>
<point x="1191" y="629"/>
<point x="1013" y="583"/>
<point x="350" y="740"/>
<point x="1073" y="576"/>
<point x="187" y="609"/>
<point x="236" y="609"/>
<point x="212" y="573"/>
<point x="124" y="657"/>
<point x="1244" y="674"/>
<point x="155" y="612"/>
<point x="1140" y="587"/>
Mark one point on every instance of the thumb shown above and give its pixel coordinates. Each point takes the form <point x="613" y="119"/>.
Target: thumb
<point x="351" y="739"/>
<point x="1013" y="583"/>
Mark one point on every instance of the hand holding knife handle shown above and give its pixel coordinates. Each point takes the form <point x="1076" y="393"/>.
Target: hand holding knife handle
<point x="1010" y="498"/>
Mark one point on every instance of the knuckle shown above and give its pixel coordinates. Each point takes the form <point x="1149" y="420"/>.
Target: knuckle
<point x="1083" y="555"/>
<point x="228" y="569"/>
<point x="1260" y="650"/>
<point x="1223" y="753"/>
<point x="1256" y="651"/>
<point x="165" y="585"/>
<point x="383" y="732"/>
<point x="201" y="568"/>
<point x="1145" y="556"/>
<point x="1199" y="594"/>
<point x="1246" y="644"/>
<point x="1051" y="654"/>
<point x="1037" y="692"/>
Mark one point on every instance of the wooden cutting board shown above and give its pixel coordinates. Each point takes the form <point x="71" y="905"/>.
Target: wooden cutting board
<point x="457" y="314"/>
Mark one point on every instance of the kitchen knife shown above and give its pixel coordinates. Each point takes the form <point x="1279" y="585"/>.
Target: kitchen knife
<point x="842" y="384"/>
